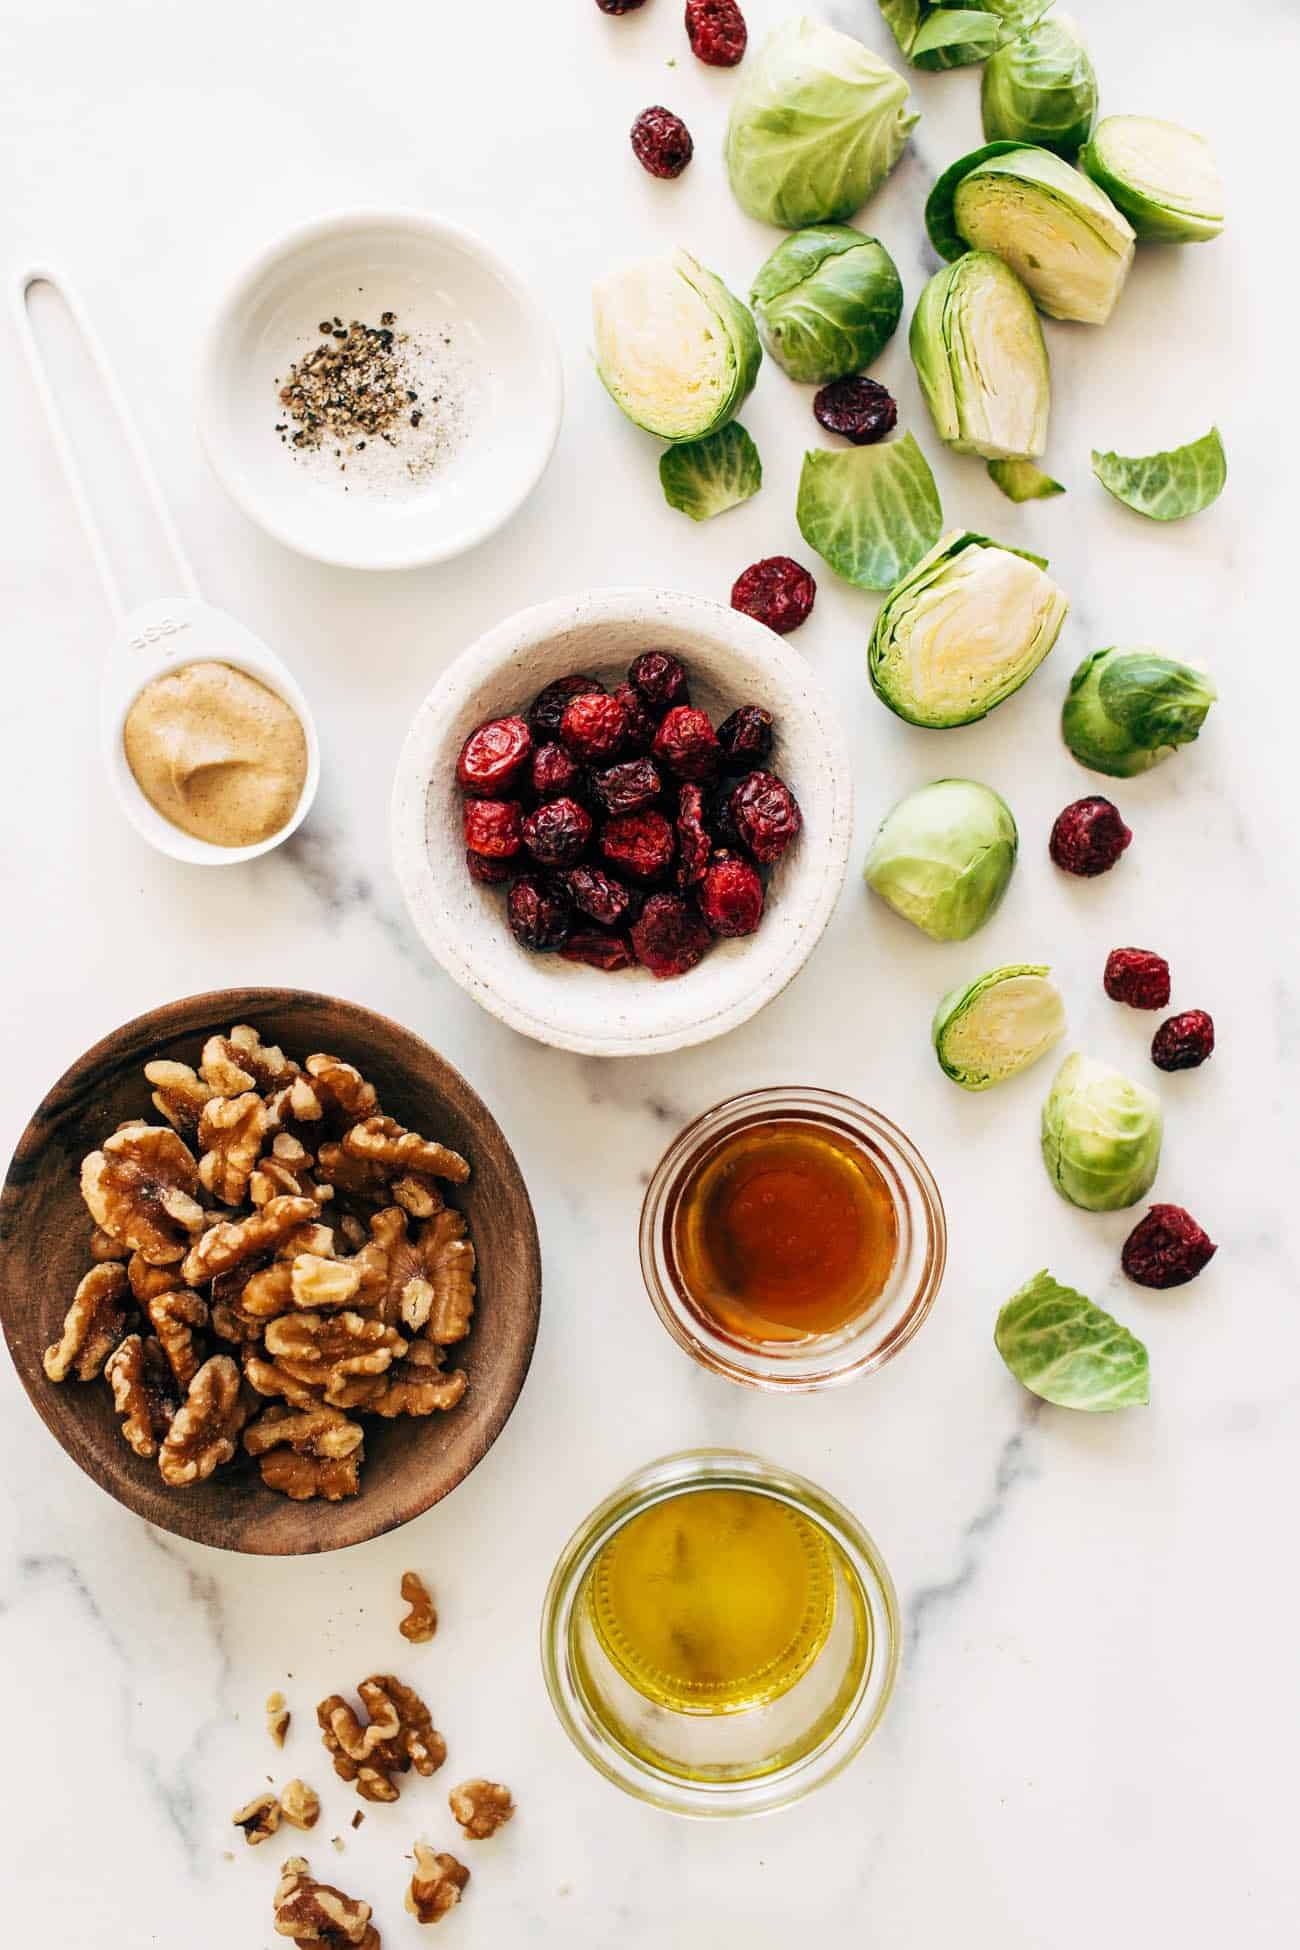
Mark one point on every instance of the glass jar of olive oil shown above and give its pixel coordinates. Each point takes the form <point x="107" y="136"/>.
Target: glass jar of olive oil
<point x="720" y="1636"/>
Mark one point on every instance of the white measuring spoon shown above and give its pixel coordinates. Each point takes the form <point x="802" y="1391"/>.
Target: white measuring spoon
<point x="160" y="635"/>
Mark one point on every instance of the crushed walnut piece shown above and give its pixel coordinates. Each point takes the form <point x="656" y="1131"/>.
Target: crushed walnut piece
<point x="481" y="1807"/>
<point x="94" y="1325"/>
<point x="278" y="1717"/>
<point x="436" y="1884"/>
<point x="398" y="1735"/>
<point x="316" y="1912"/>
<point x="421" y="1622"/>
<point x="259" y="1818"/>
<point x="299" y="1804"/>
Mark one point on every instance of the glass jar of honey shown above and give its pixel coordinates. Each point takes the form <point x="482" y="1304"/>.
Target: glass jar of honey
<point x="720" y="1636"/>
<point x="792" y="1238"/>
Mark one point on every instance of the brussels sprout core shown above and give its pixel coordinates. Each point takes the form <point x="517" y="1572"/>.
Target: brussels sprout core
<point x="978" y="350"/>
<point x="1162" y="177"/>
<point x="989" y="1030"/>
<point x="1101" y="1135"/>
<point x="943" y="857"/>
<point x="674" y="348"/>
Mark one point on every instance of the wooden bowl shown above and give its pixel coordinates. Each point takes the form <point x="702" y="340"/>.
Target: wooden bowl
<point x="44" y="1250"/>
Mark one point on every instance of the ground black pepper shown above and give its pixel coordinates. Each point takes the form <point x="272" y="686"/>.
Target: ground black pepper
<point x="355" y="382"/>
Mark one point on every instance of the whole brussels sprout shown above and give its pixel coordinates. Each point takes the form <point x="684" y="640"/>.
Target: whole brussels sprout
<point x="1127" y="710"/>
<point x="1061" y="235"/>
<point x="963" y="631"/>
<point x="827" y="301"/>
<point x="1101" y="1135"/>
<point x="674" y="348"/>
<point x="1162" y="177"/>
<point x="817" y="123"/>
<point x="943" y="857"/>
<point x="1041" y="88"/>
<point x="979" y="354"/>
<point x="991" y="1029"/>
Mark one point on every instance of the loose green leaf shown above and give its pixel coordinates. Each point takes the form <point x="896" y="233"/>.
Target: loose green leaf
<point x="706" y="477"/>
<point x="870" y="512"/>
<point x="1020" y="480"/>
<point x="1061" y="1347"/>
<point x="1167" y="487"/>
<point x="932" y="35"/>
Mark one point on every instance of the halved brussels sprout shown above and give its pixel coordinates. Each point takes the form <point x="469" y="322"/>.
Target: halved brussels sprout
<point x="1020" y="480"/>
<point x="1059" y="233"/>
<point x="943" y="857"/>
<point x="979" y="354"/>
<point x="827" y="301"/>
<point x="870" y="512"/>
<point x="992" y="1029"/>
<point x="1126" y="710"/>
<point x="963" y="631"/>
<point x="1163" y="178"/>
<point x="946" y="34"/>
<point x="1041" y="88"/>
<point x="705" y="477"/>
<point x="1169" y="486"/>
<point x="674" y="348"/>
<point x="1058" y="1345"/>
<point x="1101" y="1135"/>
<point x="817" y="123"/>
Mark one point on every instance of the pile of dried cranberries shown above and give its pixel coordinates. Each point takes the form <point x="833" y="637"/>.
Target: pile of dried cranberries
<point x="626" y="827"/>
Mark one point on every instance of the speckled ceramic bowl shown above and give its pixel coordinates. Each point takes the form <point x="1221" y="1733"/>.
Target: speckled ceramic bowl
<point x="732" y="660"/>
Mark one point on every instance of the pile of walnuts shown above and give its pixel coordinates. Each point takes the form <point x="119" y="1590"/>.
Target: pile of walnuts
<point x="272" y="1263"/>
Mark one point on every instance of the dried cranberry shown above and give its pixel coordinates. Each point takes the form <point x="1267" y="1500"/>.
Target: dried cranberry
<point x="492" y="826"/>
<point x="640" y="722"/>
<point x="776" y="591"/>
<point x="745" y="737"/>
<point x="731" y="895"/>
<point x="557" y="832"/>
<point x="547" y="708"/>
<point x="1138" y="977"/>
<point x="716" y="31"/>
<point x="661" y="680"/>
<point x="1183" y="1042"/>
<point x="619" y="6"/>
<point x="693" y="844"/>
<point x="629" y="786"/>
<point x="487" y="871"/>
<point x="766" y="815"/>
<point x="639" y="843"/>
<point x="717" y="812"/>
<point x="600" y="897"/>
<point x="661" y="141"/>
<point x="1088" y="837"/>
<point x="593" y="727"/>
<point x="555" y="773"/>
<point x="859" y="408"/>
<point x="687" y="743"/>
<point x="539" y="914"/>
<point x="493" y="757"/>
<point x="607" y="951"/>
<point x="1167" y="1248"/>
<point x="670" y="938"/>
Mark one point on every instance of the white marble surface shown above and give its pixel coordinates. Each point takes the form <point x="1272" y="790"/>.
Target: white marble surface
<point x="1093" y="1736"/>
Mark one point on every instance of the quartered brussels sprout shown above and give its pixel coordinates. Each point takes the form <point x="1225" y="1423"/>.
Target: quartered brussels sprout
<point x="827" y="302"/>
<point x="1020" y="480"/>
<point x="946" y="34"/>
<point x="1126" y="710"/>
<point x="817" y="123"/>
<point x="963" y="631"/>
<point x="1041" y="88"/>
<point x="992" y="1029"/>
<point x="1101" y="1135"/>
<point x="1163" y="178"/>
<point x="1057" y="230"/>
<point x="943" y="857"/>
<point x="706" y="477"/>
<point x="1169" y="486"/>
<point x="979" y="354"/>
<point x="674" y="348"/>
<point x="870" y="512"/>
<point x="1061" y="1347"/>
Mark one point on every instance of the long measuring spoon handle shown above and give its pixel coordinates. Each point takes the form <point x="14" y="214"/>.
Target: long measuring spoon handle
<point x="40" y="274"/>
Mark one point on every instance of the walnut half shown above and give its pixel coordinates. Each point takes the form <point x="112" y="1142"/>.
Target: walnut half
<point x="316" y="1912"/>
<point x="399" y="1735"/>
<point x="93" y="1326"/>
<point x="436" y="1884"/>
<point x="205" y="1428"/>
<point x="481" y="1807"/>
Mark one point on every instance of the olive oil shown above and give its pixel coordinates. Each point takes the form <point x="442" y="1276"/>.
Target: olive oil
<point x="784" y="1231"/>
<point x="714" y="1601"/>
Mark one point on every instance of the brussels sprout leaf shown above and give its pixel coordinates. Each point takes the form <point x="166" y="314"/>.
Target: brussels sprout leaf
<point x="871" y="512"/>
<point x="1167" y="487"/>
<point x="1058" y="1345"/>
<point x="1020" y="480"/>
<point x="706" y="477"/>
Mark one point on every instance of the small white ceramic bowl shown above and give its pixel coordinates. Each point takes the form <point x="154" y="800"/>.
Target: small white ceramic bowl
<point x="732" y="660"/>
<point x="489" y="358"/>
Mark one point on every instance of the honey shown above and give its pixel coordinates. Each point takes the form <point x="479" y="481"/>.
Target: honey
<point x="784" y="1231"/>
<point x="714" y="1601"/>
